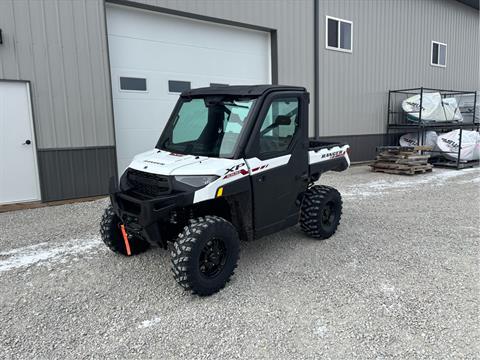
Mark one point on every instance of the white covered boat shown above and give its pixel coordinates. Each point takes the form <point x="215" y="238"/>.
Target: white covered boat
<point x="434" y="108"/>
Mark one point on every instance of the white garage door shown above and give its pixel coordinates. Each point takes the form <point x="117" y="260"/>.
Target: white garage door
<point x="153" y="57"/>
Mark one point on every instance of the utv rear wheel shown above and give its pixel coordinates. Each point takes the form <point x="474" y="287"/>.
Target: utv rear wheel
<point x="205" y="255"/>
<point x="321" y="211"/>
<point x="112" y="235"/>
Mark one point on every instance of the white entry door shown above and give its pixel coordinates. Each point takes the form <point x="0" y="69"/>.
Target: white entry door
<point x="154" y="57"/>
<point x="18" y="162"/>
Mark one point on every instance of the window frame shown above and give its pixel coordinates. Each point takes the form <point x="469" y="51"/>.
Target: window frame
<point x="438" y="55"/>
<point x="179" y="92"/>
<point x="339" y="34"/>
<point x="252" y="148"/>
<point x="131" y="90"/>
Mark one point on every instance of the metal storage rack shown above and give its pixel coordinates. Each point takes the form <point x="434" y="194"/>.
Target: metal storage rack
<point x="397" y="120"/>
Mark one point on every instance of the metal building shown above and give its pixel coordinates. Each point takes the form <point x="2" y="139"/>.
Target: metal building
<point x="85" y="84"/>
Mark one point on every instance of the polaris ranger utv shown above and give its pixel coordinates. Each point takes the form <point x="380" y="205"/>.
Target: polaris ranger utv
<point x="233" y="163"/>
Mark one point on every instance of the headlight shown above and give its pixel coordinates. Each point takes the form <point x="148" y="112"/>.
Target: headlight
<point x="196" y="180"/>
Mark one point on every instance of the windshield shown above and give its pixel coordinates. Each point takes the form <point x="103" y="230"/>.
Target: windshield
<point x="207" y="126"/>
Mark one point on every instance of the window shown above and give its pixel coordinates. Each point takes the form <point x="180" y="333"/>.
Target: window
<point x="338" y="34"/>
<point x="439" y="54"/>
<point x="133" y="84"/>
<point x="279" y="126"/>
<point x="207" y="126"/>
<point x="217" y="85"/>
<point x="175" y="86"/>
<point x="191" y="120"/>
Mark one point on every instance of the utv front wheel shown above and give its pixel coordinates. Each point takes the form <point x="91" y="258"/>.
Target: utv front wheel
<point x="205" y="255"/>
<point x="321" y="211"/>
<point x="112" y="236"/>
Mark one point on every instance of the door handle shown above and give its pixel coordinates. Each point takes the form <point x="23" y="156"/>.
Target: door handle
<point x="27" y="142"/>
<point x="303" y="177"/>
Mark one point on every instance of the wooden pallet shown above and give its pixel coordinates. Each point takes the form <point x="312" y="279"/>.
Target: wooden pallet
<point x="403" y="160"/>
<point x="402" y="172"/>
<point x="403" y="148"/>
<point x="389" y="165"/>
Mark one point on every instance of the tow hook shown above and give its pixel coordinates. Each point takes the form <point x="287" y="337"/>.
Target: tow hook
<point x="125" y="239"/>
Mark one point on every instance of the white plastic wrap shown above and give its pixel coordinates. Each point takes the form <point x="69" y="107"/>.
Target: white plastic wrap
<point x="434" y="108"/>
<point x="467" y="103"/>
<point x="411" y="139"/>
<point x="470" y="145"/>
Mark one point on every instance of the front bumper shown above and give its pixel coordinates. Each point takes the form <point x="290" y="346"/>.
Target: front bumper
<point x="144" y="216"/>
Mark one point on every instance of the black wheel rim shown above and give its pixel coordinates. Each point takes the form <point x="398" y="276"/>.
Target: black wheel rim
<point x="328" y="214"/>
<point x="213" y="258"/>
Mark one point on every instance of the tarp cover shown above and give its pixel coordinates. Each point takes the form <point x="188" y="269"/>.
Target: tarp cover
<point x="434" y="108"/>
<point x="470" y="145"/>
<point x="411" y="139"/>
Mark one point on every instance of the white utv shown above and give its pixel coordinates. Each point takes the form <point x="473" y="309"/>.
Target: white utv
<point x="233" y="163"/>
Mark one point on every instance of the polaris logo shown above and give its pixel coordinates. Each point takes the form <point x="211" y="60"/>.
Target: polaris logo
<point x="415" y="106"/>
<point x="153" y="162"/>
<point x="452" y="143"/>
<point x="410" y="141"/>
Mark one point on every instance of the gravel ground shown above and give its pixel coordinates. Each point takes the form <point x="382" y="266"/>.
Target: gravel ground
<point x="398" y="279"/>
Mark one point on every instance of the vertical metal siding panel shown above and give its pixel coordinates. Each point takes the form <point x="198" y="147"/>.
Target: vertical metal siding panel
<point x="58" y="91"/>
<point x="68" y="72"/>
<point x="40" y="85"/>
<point x="46" y="42"/>
<point x="84" y="75"/>
<point x="391" y="49"/>
<point x="100" y="72"/>
<point x="8" y="58"/>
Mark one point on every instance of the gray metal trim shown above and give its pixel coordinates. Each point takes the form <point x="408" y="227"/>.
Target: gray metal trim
<point x="110" y="87"/>
<point x="316" y="73"/>
<point x="472" y="3"/>
<point x="274" y="56"/>
<point x="15" y="80"/>
<point x="189" y="15"/>
<point x="75" y="173"/>
<point x="79" y="148"/>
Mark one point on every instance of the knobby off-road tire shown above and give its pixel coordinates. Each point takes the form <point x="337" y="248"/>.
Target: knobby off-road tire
<point x="205" y="255"/>
<point x="113" y="238"/>
<point x="321" y="211"/>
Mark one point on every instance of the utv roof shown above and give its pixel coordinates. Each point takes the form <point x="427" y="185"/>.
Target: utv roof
<point x="239" y="90"/>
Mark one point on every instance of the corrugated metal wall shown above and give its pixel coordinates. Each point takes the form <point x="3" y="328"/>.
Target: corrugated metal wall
<point x="60" y="46"/>
<point x="391" y="50"/>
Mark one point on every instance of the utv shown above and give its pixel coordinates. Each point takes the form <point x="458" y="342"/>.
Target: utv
<point x="233" y="163"/>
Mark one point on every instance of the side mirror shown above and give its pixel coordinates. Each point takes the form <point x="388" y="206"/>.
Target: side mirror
<point x="282" y="120"/>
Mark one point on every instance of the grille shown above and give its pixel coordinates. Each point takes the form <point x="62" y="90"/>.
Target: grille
<point x="148" y="184"/>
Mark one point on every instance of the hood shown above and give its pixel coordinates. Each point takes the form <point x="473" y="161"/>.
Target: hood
<point x="167" y="163"/>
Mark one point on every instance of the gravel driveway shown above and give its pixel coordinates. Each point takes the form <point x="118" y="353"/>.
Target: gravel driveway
<point x="400" y="278"/>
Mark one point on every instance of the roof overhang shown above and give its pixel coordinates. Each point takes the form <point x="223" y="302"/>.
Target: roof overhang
<point x="473" y="3"/>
